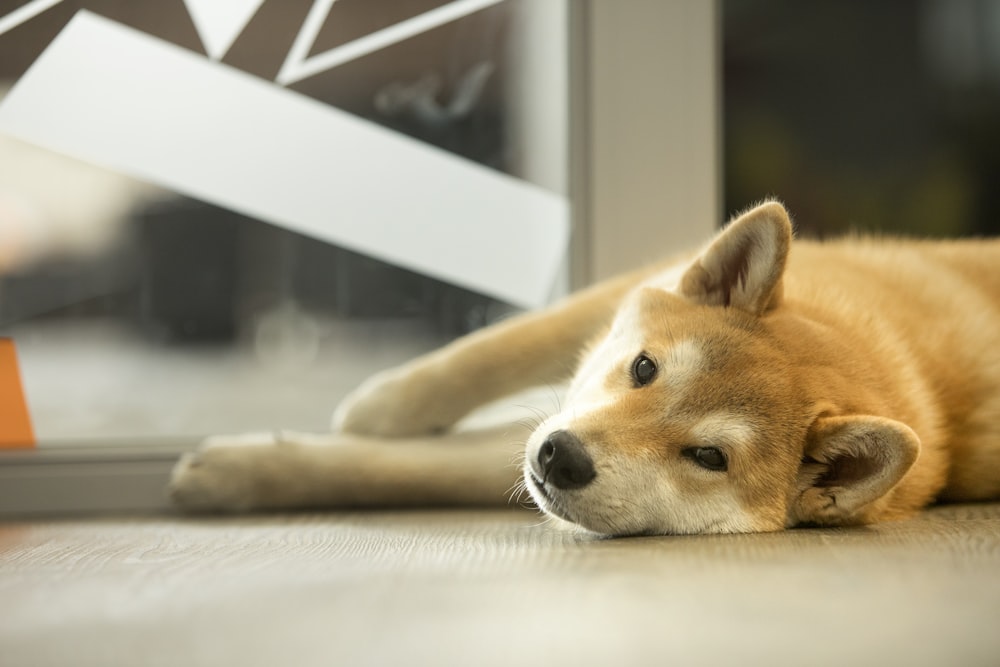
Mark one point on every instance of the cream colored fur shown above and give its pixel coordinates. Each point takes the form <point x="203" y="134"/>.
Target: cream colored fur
<point x="846" y="382"/>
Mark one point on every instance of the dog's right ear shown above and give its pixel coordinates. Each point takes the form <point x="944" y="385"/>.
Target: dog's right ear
<point x="743" y="266"/>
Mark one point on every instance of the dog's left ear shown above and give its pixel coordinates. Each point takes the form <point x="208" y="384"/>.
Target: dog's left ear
<point x="849" y="463"/>
<point x="743" y="266"/>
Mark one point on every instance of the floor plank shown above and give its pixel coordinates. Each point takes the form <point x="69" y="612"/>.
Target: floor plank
<point x="492" y="588"/>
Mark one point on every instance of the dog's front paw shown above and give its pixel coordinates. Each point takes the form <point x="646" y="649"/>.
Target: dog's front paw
<point x="225" y="474"/>
<point x="399" y="402"/>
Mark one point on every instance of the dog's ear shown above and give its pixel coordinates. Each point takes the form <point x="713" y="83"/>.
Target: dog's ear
<point x="849" y="463"/>
<point x="743" y="266"/>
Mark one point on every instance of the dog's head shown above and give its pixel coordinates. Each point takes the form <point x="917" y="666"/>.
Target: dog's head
<point x="697" y="411"/>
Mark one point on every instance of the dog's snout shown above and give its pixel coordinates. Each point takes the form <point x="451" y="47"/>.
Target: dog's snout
<point x="564" y="462"/>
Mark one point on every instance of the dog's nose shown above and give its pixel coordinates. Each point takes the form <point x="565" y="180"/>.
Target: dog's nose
<point x="564" y="462"/>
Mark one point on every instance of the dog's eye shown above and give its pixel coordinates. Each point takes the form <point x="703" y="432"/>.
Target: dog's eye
<point x="710" y="458"/>
<point x="643" y="370"/>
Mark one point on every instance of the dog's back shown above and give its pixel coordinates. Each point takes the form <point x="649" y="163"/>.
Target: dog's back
<point x="927" y="314"/>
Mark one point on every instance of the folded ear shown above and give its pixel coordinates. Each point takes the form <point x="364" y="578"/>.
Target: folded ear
<point x="849" y="463"/>
<point x="742" y="267"/>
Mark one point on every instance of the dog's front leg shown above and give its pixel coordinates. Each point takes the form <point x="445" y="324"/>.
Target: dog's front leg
<point x="431" y="393"/>
<point x="295" y="470"/>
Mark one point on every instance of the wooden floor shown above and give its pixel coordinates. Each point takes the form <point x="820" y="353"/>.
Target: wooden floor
<point x="495" y="588"/>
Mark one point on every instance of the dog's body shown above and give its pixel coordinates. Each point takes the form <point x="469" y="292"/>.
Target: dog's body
<point x="759" y="385"/>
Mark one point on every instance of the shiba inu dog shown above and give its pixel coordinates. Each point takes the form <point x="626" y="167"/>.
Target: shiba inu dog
<point x="759" y="384"/>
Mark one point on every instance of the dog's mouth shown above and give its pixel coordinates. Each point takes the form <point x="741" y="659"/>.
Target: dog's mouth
<point x="552" y="501"/>
<point x="544" y="497"/>
<point x="538" y="486"/>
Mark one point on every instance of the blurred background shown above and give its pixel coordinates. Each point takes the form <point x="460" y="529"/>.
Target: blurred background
<point x="143" y="310"/>
<point x="865" y="115"/>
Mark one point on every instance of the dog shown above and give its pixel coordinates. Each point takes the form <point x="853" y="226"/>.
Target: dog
<point x="760" y="384"/>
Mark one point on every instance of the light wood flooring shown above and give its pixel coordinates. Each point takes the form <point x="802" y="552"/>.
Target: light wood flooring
<point x="494" y="588"/>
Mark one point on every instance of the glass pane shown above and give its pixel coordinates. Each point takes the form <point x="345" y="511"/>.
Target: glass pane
<point x="206" y="236"/>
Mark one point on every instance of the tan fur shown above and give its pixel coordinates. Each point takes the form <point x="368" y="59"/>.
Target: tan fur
<point x="847" y="382"/>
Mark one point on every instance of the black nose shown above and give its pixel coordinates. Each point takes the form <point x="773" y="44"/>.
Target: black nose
<point x="564" y="462"/>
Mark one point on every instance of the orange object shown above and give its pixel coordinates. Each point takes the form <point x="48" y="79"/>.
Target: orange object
<point x="15" y="424"/>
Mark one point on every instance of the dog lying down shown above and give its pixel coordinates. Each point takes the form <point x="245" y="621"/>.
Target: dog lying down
<point x="758" y="385"/>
